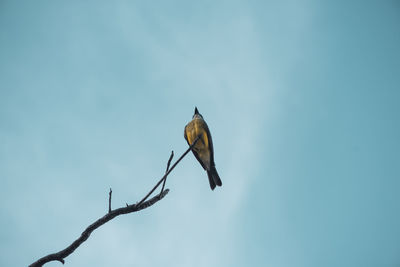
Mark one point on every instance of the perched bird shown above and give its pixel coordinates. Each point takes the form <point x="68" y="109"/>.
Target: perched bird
<point x="203" y="150"/>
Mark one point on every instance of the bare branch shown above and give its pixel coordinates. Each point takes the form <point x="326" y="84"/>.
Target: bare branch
<point x="61" y="255"/>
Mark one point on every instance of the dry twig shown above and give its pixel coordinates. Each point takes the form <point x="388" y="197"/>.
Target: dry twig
<point x="61" y="255"/>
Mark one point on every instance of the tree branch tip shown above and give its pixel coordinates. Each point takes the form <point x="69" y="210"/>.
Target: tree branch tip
<point x="109" y="200"/>
<point x="163" y="193"/>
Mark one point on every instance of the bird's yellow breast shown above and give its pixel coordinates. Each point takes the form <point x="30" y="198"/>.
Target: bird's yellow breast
<point x="193" y="129"/>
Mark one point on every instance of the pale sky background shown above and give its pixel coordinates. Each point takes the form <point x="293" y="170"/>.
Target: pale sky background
<point x="302" y="99"/>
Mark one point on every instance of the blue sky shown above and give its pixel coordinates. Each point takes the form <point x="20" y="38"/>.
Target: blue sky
<point x="302" y="99"/>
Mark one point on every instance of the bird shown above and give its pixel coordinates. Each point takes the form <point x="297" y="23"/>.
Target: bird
<point x="203" y="150"/>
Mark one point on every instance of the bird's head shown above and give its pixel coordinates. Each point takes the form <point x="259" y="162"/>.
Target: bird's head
<point x="196" y="113"/>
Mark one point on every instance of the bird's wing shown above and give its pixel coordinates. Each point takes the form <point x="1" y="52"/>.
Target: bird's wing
<point x="210" y="145"/>
<point x="199" y="159"/>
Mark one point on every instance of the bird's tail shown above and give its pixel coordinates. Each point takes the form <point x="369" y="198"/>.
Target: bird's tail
<point x="213" y="178"/>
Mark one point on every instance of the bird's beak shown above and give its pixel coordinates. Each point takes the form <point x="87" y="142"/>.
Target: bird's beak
<point x="196" y="111"/>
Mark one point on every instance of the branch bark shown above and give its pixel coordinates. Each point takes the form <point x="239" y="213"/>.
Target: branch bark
<point x="59" y="256"/>
<point x="144" y="203"/>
